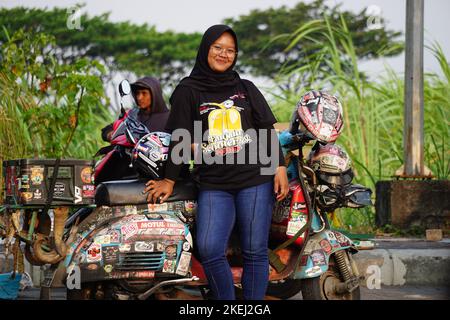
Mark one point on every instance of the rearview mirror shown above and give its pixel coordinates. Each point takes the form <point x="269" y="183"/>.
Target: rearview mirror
<point x="124" y="88"/>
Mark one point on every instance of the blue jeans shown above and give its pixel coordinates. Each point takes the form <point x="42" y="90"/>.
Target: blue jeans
<point x="218" y="211"/>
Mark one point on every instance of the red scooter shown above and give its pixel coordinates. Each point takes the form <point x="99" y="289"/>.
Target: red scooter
<point x="116" y="161"/>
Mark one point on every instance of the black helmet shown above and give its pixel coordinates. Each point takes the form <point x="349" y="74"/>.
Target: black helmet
<point x="150" y="154"/>
<point x="134" y="129"/>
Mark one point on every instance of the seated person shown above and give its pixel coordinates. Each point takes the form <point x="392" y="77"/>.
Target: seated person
<point x="151" y="109"/>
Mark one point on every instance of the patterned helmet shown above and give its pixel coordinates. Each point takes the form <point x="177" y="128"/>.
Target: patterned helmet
<point x="319" y="116"/>
<point x="331" y="164"/>
<point x="150" y="154"/>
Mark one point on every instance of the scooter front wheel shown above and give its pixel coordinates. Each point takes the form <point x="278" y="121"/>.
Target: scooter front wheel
<point x="325" y="286"/>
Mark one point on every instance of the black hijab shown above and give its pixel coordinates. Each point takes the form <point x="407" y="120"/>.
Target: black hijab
<point x="202" y="77"/>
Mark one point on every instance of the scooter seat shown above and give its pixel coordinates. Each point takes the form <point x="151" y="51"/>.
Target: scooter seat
<point x="129" y="192"/>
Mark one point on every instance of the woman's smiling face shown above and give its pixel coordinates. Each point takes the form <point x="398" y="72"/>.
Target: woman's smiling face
<point x="222" y="53"/>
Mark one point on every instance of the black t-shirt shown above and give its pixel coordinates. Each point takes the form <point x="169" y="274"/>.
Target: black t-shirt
<point x="227" y="116"/>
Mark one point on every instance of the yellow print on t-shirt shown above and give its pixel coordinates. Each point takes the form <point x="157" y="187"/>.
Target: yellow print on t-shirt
<point x="225" y="129"/>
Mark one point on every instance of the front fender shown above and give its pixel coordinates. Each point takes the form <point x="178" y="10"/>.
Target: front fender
<point x="319" y="248"/>
<point x="135" y="245"/>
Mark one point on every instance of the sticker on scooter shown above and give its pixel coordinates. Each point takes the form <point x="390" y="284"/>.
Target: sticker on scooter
<point x="110" y="254"/>
<point x="299" y="206"/>
<point x="115" y="236"/>
<point x="160" y="246"/>
<point x="341" y="239"/>
<point x="94" y="253"/>
<point x="326" y="246"/>
<point x="143" y="246"/>
<point x="295" y="225"/>
<point x="171" y="251"/>
<point x="186" y="246"/>
<point x="183" y="265"/>
<point x="311" y="272"/>
<point x="318" y="258"/>
<point x="169" y="266"/>
<point x="124" y="247"/>
<point x="129" y="210"/>
<point x="78" y="195"/>
<point x="108" y="268"/>
<point x="104" y="239"/>
<point x="157" y="207"/>
<point x="331" y="235"/>
<point x="129" y="230"/>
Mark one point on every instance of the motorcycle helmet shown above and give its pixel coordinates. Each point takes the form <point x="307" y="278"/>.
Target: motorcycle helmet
<point x="350" y="196"/>
<point x="318" y="116"/>
<point x="327" y="198"/>
<point x="135" y="130"/>
<point x="150" y="154"/>
<point x="331" y="164"/>
<point x="357" y="196"/>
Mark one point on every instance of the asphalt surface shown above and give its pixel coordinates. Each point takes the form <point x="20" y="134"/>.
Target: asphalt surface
<point x="437" y="291"/>
<point x="384" y="293"/>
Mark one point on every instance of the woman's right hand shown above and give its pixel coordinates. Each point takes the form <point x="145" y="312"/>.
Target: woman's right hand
<point x="158" y="190"/>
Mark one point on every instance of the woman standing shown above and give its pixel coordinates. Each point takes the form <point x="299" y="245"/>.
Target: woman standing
<point x="230" y="191"/>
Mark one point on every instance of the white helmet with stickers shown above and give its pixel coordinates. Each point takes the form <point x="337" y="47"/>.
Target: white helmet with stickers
<point x="150" y="154"/>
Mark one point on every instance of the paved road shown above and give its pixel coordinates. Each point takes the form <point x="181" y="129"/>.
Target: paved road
<point x="385" y="293"/>
<point x="406" y="293"/>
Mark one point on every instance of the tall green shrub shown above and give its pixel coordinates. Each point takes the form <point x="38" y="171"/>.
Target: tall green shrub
<point x="373" y="110"/>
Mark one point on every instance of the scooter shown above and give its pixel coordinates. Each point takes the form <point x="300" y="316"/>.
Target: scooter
<point x="116" y="161"/>
<point x="100" y="240"/>
<point x="130" y="249"/>
<point x="324" y="268"/>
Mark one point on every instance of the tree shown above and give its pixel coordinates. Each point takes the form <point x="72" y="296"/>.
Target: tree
<point x="121" y="47"/>
<point x="43" y="101"/>
<point x="264" y="36"/>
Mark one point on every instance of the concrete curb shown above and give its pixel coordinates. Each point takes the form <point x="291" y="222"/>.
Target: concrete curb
<point x="404" y="267"/>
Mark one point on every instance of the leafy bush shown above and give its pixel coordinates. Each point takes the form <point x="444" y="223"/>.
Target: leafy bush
<point x="47" y="108"/>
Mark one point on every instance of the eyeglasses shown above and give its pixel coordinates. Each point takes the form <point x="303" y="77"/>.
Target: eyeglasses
<point x="216" y="49"/>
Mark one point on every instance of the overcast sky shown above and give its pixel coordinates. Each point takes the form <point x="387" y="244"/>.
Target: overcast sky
<point x="198" y="15"/>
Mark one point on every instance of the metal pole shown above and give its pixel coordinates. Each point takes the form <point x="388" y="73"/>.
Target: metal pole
<point x="413" y="112"/>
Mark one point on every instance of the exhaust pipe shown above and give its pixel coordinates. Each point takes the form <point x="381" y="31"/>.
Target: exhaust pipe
<point x="150" y="291"/>
<point x="60" y="217"/>
<point x="41" y="255"/>
<point x="60" y="249"/>
<point x="31" y="258"/>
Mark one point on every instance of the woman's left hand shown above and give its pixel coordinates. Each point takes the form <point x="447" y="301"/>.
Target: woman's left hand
<point x="281" y="184"/>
